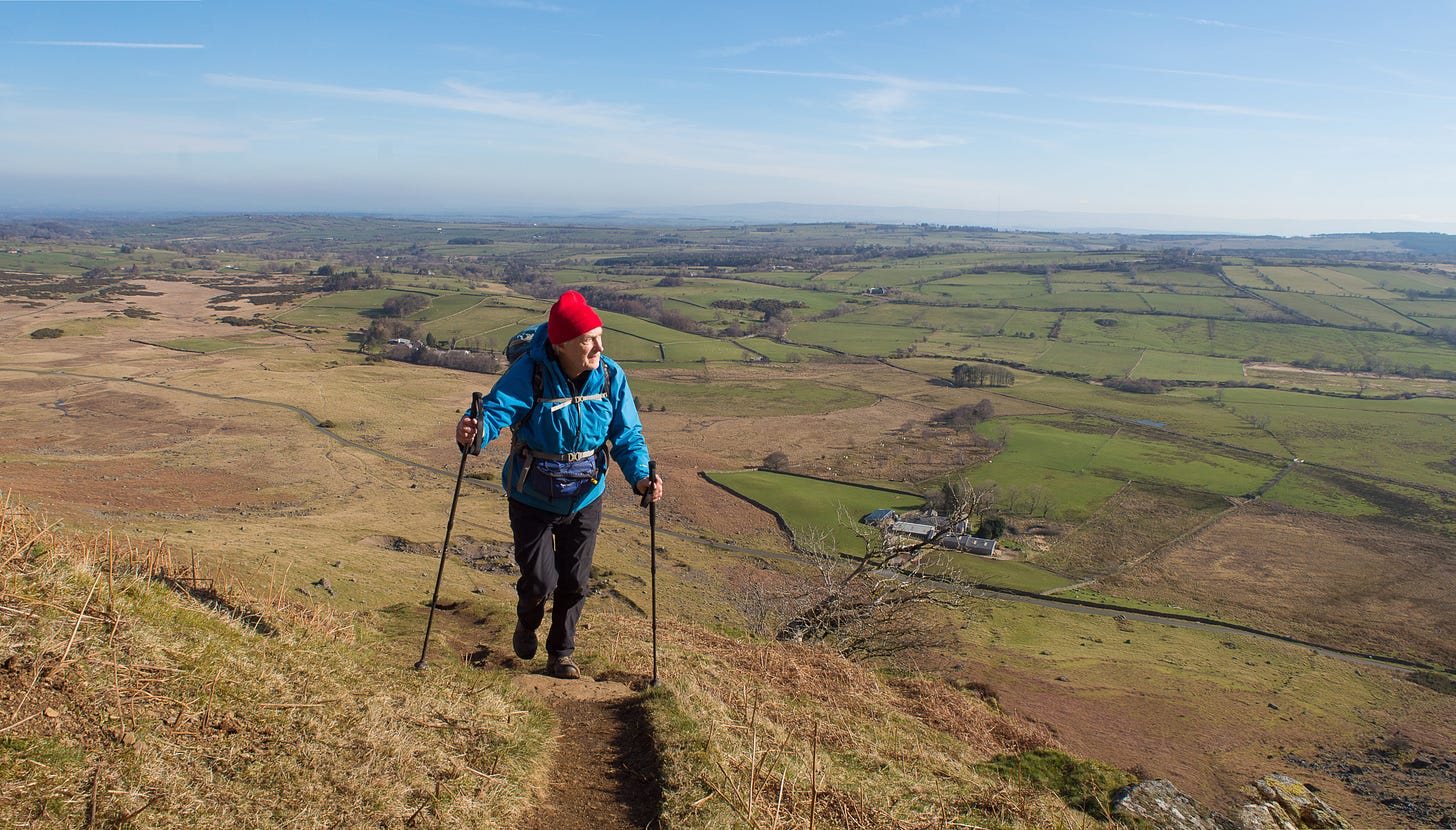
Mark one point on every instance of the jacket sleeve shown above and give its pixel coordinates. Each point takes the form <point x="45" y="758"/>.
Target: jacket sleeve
<point x="629" y="448"/>
<point x="508" y="401"/>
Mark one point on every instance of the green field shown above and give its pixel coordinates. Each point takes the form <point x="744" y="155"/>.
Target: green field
<point x="749" y="399"/>
<point x="857" y="338"/>
<point x="343" y="309"/>
<point x="1176" y="366"/>
<point x="1084" y="460"/>
<point x="1097" y="361"/>
<point x="812" y="508"/>
<point x="1413" y="435"/>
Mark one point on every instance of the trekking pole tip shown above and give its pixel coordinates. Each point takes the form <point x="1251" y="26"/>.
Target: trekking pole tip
<point x="419" y="665"/>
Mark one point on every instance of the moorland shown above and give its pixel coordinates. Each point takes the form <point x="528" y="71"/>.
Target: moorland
<point x="1254" y="432"/>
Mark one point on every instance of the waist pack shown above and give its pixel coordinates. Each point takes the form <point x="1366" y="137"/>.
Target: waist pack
<point x="563" y="478"/>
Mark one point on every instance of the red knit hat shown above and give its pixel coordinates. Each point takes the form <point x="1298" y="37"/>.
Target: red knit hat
<point x="570" y="318"/>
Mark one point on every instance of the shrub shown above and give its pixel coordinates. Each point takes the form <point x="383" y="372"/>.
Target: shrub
<point x="1085" y="785"/>
<point x="46" y="334"/>
<point x="405" y="305"/>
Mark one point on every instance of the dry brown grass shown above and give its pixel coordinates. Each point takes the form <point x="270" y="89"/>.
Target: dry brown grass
<point x="126" y="702"/>
<point x="779" y="736"/>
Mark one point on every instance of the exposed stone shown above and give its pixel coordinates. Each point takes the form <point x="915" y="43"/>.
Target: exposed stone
<point x="1258" y="817"/>
<point x="1159" y="805"/>
<point x="1291" y="805"/>
<point x="1278" y="803"/>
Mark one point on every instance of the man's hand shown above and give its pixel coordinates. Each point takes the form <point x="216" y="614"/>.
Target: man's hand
<point x="465" y="433"/>
<point x="650" y="489"/>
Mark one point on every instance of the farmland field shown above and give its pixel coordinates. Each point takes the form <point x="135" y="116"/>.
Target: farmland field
<point x="812" y="506"/>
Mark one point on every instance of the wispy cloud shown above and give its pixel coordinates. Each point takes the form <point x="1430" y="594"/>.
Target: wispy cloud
<point x="1032" y="119"/>
<point x="518" y="106"/>
<point x="523" y="5"/>
<point x="887" y="93"/>
<point x="108" y="44"/>
<point x="929" y="14"/>
<point x="886" y="80"/>
<point x="788" y="41"/>
<point x="1290" y="82"/>
<point x="928" y="142"/>
<point x="1196" y="106"/>
<point x="1220" y="24"/>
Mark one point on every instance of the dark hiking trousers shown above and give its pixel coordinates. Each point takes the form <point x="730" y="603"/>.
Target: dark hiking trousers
<point x="554" y="553"/>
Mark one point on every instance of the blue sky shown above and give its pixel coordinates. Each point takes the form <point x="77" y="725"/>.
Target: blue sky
<point x="1275" y="114"/>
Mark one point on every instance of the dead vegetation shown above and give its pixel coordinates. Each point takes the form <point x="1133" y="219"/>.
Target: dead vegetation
<point x="783" y="736"/>
<point x="126" y="702"/>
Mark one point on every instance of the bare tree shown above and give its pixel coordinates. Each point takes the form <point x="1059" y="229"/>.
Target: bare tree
<point x="874" y="605"/>
<point x="776" y="461"/>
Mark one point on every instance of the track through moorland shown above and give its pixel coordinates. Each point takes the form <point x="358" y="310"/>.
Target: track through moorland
<point x="604" y="773"/>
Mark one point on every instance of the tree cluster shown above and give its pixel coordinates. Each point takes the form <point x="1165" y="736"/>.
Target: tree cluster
<point x="981" y="374"/>
<point x="481" y="362"/>
<point x="381" y="331"/>
<point x="1140" y="386"/>
<point x="967" y="415"/>
<point x="347" y="280"/>
<point x="404" y="305"/>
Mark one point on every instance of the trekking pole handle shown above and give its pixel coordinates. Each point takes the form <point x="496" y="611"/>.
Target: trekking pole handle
<point x="651" y="483"/>
<point x="476" y="411"/>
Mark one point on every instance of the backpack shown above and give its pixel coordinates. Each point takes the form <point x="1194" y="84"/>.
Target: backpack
<point x="516" y="348"/>
<point x="519" y="344"/>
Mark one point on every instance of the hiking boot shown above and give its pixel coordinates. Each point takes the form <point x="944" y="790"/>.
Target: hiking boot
<point x="562" y="668"/>
<point x="523" y="642"/>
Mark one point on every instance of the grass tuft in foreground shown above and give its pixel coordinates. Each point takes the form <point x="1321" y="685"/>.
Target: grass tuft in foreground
<point x="126" y="701"/>
<point x="762" y="734"/>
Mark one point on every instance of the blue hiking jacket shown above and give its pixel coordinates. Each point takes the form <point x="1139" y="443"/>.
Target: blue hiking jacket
<point x="564" y="421"/>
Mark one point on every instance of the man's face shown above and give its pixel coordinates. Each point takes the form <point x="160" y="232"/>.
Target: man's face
<point x="581" y="354"/>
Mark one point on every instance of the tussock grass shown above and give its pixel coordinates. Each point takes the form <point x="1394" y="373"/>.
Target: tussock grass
<point x="777" y="736"/>
<point x="126" y="701"/>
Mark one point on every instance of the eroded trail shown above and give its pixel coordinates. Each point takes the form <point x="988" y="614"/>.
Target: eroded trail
<point x="605" y="774"/>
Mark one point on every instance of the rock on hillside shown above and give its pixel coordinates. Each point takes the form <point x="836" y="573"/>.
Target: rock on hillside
<point x="1279" y="803"/>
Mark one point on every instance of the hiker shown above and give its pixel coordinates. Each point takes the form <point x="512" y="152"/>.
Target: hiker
<point x="569" y="407"/>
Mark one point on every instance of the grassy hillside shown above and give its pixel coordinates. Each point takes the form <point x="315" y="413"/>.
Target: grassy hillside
<point x="136" y="695"/>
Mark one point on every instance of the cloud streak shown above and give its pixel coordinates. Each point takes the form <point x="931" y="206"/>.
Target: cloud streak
<point x="524" y="5"/>
<point x="517" y="106"/>
<point x="929" y="14"/>
<point x="1290" y="82"/>
<point x="788" y="41"/>
<point x="886" y="80"/>
<point x="1196" y="106"/>
<point x="108" y="44"/>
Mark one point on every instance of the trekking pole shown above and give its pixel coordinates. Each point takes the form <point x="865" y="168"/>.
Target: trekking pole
<point x="651" y="506"/>
<point x="475" y="412"/>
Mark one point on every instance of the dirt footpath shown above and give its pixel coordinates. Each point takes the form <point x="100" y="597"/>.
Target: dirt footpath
<point x="605" y="773"/>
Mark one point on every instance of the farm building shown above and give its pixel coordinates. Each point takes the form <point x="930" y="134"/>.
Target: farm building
<point x="924" y="527"/>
